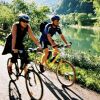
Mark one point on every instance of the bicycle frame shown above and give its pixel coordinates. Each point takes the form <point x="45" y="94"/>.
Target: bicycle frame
<point x="59" y="54"/>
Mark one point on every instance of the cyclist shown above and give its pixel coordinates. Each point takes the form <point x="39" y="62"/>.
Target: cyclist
<point x="14" y="41"/>
<point x="46" y="40"/>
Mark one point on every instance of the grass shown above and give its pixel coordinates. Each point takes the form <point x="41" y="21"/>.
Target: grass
<point x="88" y="78"/>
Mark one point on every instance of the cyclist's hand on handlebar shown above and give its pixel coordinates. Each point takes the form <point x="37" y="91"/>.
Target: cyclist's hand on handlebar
<point x="68" y="45"/>
<point x="15" y="50"/>
<point x="39" y="48"/>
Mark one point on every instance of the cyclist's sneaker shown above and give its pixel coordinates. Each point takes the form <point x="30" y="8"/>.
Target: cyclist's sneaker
<point x="41" y="68"/>
<point x="10" y="69"/>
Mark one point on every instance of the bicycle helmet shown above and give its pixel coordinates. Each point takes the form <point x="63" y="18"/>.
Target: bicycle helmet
<point x="55" y="18"/>
<point x="24" y="17"/>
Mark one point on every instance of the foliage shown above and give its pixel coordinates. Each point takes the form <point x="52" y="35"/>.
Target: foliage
<point x="82" y="19"/>
<point x="18" y="6"/>
<point x="88" y="78"/>
<point x="68" y="19"/>
<point x="6" y="16"/>
<point x="36" y="14"/>
<point x="96" y="5"/>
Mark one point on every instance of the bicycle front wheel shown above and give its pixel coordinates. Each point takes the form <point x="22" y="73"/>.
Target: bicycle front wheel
<point x="66" y="73"/>
<point x="15" y="70"/>
<point x="34" y="85"/>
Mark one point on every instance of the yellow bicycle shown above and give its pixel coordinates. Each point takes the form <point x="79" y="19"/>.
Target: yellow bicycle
<point x="65" y="70"/>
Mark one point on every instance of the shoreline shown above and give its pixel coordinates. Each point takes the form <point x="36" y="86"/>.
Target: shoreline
<point x="85" y="27"/>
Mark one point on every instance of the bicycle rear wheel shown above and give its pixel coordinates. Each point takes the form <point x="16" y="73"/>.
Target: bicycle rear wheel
<point x="34" y="85"/>
<point x="15" y="70"/>
<point x="66" y="73"/>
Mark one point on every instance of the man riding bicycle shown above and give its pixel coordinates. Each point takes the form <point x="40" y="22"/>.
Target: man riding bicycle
<point x="46" y="40"/>
<point x="14" y="41"/>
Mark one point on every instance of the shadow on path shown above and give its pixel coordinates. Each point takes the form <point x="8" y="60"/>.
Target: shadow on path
<point x="14" y="93"/>
<point x="59" y="93"/>
<point x="67" y="90"/>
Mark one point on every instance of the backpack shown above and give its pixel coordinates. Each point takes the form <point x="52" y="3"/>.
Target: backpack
<point x="42" y="26"/>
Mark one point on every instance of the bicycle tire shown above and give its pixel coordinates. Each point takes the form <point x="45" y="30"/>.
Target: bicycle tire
<point x="37" y="62"/>
<point x="15" y="70"/>
<point x="34" y="87"/>
<point x="66" y="73"/>
<point x="14" y="93"/>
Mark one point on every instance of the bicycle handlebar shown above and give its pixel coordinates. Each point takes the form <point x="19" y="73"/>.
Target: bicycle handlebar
<point x="65" y="46"/>
<point x="34" y="50"/>
<point x="37" y="50"/>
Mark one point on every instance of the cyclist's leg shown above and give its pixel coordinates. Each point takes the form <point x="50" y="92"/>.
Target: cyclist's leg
<point x="54" y="54"/>
<point x="45" y="52"/>
<point x="13" y="60"/>
<point x="45" y="55"/>
<point x="24" y="60"/>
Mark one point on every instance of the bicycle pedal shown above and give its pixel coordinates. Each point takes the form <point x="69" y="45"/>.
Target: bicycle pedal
<point x="17" y="77"/>
<point x="28" y="78"/>
<point x="56" y="62"/>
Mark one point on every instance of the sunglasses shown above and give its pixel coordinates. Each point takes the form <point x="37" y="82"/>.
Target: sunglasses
<point x="25" y="21"/>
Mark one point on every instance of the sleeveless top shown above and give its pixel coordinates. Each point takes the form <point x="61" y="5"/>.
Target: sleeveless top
<point x="20" y="36"/>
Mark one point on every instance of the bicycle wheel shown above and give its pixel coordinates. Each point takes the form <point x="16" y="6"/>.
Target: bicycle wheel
<point x="37" y="61"/>
<point x="15" y="70"/>
<point x="14" y="93"/>
<point x="66" y="73"/>
<point x="34" y="85"/>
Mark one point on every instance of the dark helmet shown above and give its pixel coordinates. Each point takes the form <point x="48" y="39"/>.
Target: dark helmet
<point x="24" y="17"/>
<point x="55" y="18"/>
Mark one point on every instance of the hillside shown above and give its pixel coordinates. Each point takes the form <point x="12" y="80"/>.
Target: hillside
<point x="71" y="6"/>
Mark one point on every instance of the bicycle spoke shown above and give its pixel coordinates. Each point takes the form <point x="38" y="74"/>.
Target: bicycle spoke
<point x="66" y="73"/>
<point x="34" y="85"/>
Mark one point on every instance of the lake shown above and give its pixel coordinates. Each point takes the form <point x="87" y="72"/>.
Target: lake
<point x="86" y="40"/>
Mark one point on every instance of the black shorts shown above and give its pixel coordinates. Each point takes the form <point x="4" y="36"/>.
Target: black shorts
<point x="45" y="44"/>
<point x="23" y="56"/>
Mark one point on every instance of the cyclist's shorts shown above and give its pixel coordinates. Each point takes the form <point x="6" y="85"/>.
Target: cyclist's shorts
<point x="45" y="44"/>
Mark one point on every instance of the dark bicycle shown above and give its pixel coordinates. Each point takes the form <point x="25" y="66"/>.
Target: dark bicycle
<point x="32" y="79"/>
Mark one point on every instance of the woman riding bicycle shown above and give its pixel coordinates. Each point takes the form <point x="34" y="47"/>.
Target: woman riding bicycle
<point x="46" y="39"/>
<point x="14" y="41"/>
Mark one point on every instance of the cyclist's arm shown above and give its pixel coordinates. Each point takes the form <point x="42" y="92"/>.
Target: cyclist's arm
<point x="63" y="38"/>
<point x="13" y="32"/>
<point x="30" y="32"/>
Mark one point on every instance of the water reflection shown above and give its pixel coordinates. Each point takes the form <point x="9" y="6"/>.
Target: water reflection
<point x="87" y="40"/>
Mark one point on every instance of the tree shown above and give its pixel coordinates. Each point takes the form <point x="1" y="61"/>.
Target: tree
<point x="37" y="15"/>
<point x="6" y="16"/>
<point x="96" y="5"/>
